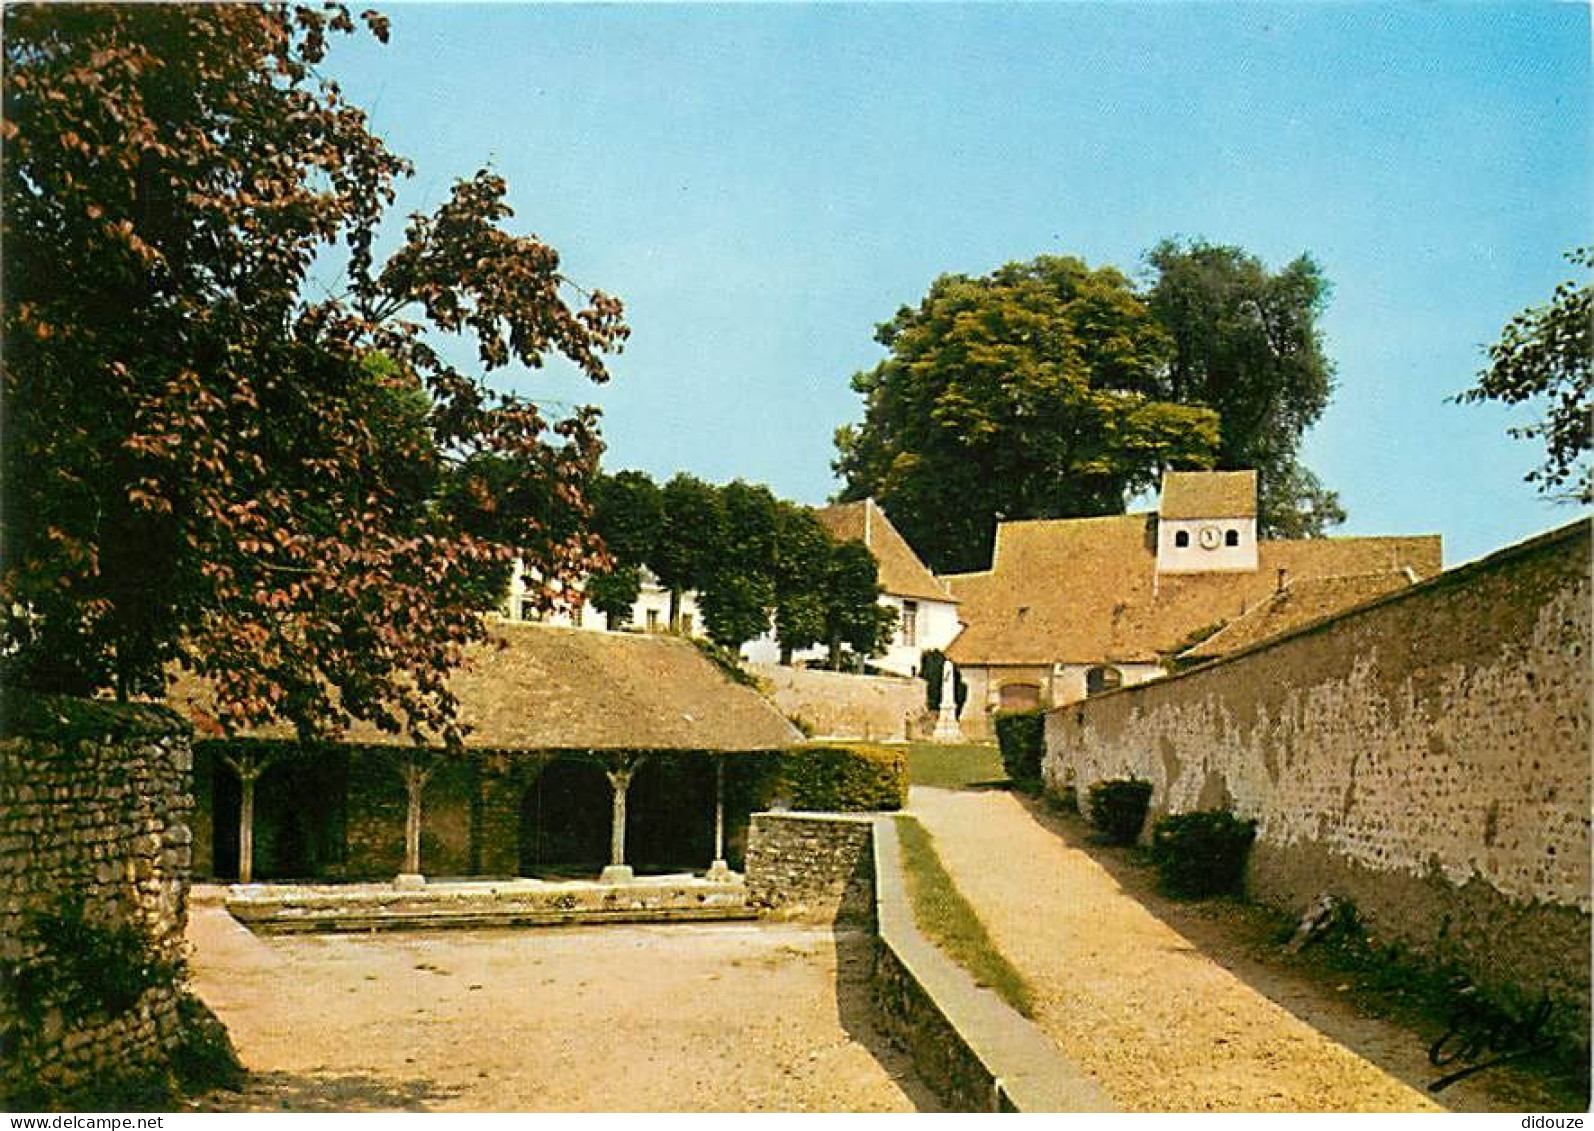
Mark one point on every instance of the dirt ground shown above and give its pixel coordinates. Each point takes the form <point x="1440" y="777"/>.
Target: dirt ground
<point x="1166" y="1004"/>
<point x="678" y="1017"/>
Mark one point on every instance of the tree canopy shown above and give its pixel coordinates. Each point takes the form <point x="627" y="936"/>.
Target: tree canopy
<point x="1247" y="346"/>
<point x="296" y="497"/>
<point x="1036" y="391"/>
<point x="1544" y="357"/>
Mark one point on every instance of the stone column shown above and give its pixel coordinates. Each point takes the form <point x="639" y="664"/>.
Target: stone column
<point x="946" y="721"/>
<point x="619" y="777"/>
<point x="416" y="776"/>
<point x="248" y="766"/>
<point x="719" y="871"/>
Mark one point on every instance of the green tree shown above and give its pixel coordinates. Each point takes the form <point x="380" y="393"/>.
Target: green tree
<point x="690" y="539"/>
<point x="1031" y="392"/>
<point x="802" y="560"/>
<point x="628" y="514"/>
<point x="740" y="587"/>
<point x="298" y="499"/>
<point x="1544" y="357"/>
<point x="1246" y="344"/>
<point x="853" y="616"/>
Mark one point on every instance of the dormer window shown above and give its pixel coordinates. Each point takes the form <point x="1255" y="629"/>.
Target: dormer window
<point x="1232" y="538"/>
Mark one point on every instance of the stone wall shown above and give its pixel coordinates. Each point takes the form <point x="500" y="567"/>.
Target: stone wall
<point x="813" y="866"/>
<point x="94" y="805"/>
<point x="1426" y="756"/>
<point x="838" y="705"/>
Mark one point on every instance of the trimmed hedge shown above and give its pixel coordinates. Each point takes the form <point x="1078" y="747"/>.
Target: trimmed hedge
<point x="844" y="779"/>
<point x="1022" y="737"/>
<point x="1118" y="808"/>
<point x="1201" y="854"/>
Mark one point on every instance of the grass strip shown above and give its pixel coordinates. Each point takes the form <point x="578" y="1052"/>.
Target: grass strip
<point x="954" y="767"/>
<point x="948" y="920"/>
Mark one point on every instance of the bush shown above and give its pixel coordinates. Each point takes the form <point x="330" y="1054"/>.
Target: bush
<point x="1118" y="808"/>
<point x="1201" y="854"/>
<point x="1022" y="737"/>
<point x="844" y="779"/>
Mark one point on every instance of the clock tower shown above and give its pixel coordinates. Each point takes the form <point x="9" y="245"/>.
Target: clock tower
<point x="1206" y="522"/>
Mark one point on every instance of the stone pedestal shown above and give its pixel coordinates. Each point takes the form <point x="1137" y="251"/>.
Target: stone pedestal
<point x="719" y="872"/>
<point x="409" y="880"/>
<point x="617" y="874"/>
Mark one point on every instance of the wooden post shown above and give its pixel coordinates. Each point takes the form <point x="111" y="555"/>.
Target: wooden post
<point x="415" y="778"/>
<point x="619" y="777"/>
<point x="719" y="870"/>
<point x="248" y="766"/>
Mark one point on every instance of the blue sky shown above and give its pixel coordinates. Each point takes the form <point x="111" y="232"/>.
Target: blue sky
<point x="762" y="184"/>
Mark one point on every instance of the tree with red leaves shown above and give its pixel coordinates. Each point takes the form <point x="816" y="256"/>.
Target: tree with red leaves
<point x="298" y="499"/>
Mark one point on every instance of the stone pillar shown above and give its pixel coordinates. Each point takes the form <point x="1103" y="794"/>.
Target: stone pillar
<point x="619" y="777"/>
<point x="416" y="776"/>
<point x="946" y="720"/>
<point x="719" y="870"/>
<point x="248" y="766"/>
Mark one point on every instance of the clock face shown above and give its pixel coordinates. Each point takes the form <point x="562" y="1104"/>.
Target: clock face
<point x="1210" y="537"/>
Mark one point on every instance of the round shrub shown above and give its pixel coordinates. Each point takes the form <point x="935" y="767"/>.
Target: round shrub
<point x="1118" y="808"/>
<point x="1022" y="737"/>
<point x="844" y="779"/>
<point x="1201" y="854"/>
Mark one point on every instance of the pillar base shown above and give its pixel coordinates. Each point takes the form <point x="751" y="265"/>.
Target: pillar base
<point x="409" y="880"/>
<point x="617" y="874"/>
<point x="719" y="872"/>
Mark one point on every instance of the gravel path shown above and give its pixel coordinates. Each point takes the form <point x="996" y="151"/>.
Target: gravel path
<point x="1160" y="1025"/>
<point x="678" y="1017"/>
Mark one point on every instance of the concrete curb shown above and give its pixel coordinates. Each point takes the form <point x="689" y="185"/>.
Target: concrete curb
<point x="968" y="1045"/>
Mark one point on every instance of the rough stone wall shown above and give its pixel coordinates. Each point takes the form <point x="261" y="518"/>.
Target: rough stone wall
<point x="815" y="866"/>
<point x="94" y="803"/>
<point x="1427" y="756"/>
<point x="838" y="705"/>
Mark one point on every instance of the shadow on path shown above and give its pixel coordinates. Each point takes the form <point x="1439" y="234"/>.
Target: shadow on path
<point x="1242" y="938"/>
<point x="326" y="1092"/>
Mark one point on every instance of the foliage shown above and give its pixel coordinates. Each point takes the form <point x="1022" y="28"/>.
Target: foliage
<point x="1246" y="344"/>
<point x="1545" y="355"/>
<point x="1118" y="808"/>
<point x="690" y="538"/>
<point x="85" y="967"/>
<point x="802" y="558"/>
<point x="853" y="616"/>
<point x="947" y="766"/>
<point x="1022" y="738"/>
<point x="628" y="512"/>
<point x="727" y="661"/>
<point x="844" y="778"/>
<point x="1031" y="392"/>
<point x="931" y="666"/>
<point x="950" y="922"/>
<point x="614" y="592"/>
<point x="298" y="499"/>
<point x="1201" y="854"/>
<point x="740" y="589"/>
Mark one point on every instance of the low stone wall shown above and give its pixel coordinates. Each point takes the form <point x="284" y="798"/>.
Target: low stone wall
<point x="1426" y="756"/>
<point x="813" y="866"/>
<point x="966" y="1044"/>
<point x="838" y="705"/>
<point x="93" y="828"/>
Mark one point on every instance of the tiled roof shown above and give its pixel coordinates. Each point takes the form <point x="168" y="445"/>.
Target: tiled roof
<point x="1086" y="590"/>
<point x="565" y="689"/>
<point x="1299" y="603"/>
<point x="902" y="574"/>
<point x="1208" y="494"/>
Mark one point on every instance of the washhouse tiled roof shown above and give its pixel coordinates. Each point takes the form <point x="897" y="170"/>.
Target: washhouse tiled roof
<point x="534" y="687"/>
<point x="1208" y="494"/>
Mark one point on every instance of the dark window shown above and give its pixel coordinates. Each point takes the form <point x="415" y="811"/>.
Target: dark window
<point x="1232" y="538"/>
<point x="1181" y="539"/>
<point x="1102" y="679"/>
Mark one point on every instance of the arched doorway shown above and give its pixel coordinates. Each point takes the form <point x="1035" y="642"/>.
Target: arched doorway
<point x="564" y="820"/>
<point x="670" y="815"/>
<point x="1020" y="696"/>
<point x="1103" y="678"/>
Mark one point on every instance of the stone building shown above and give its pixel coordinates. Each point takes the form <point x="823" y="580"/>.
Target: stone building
<point x="584" y="751"/>
<point x="1072" y="607"/>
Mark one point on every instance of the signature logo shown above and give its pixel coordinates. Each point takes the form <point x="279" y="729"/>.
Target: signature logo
<point x="1484" y="1033"/>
